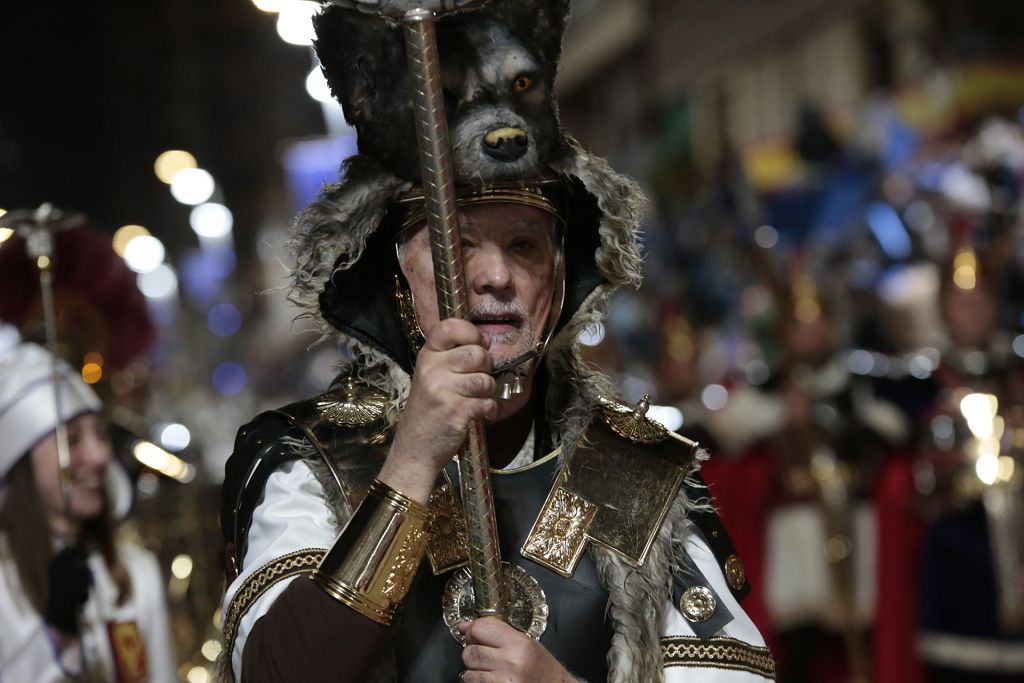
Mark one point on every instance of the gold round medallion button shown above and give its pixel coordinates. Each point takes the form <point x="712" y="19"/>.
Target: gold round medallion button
<point x="697" y="604"/>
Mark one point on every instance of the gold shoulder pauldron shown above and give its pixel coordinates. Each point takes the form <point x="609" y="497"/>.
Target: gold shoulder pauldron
<point x="346" y="412"/>
<point x="615" y="489"/>
<point x="350" y="426"/>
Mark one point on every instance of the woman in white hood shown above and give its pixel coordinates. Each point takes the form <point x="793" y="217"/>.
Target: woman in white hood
<point x="76" y="602"/>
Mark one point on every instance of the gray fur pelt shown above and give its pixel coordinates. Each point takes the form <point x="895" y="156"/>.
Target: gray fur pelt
<point x="337" y="225"/>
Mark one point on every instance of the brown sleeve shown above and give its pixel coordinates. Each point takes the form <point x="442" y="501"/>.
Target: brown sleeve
<point x="308" y="636"/>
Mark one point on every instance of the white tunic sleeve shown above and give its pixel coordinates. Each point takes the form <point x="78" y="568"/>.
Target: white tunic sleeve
<point x="292" y="515"/>
<point x="739" y="639"/>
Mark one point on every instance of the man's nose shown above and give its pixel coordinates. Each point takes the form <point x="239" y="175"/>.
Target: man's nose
<point x="488" y="269"/>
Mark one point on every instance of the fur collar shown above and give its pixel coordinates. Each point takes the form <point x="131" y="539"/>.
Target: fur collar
<point x="335" y="238"/>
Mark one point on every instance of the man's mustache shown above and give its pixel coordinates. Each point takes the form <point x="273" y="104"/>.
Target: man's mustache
<point x="492" y="308"/>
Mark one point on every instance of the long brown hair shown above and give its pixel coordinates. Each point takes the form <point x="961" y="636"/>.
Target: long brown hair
<point x="23" y="522"/>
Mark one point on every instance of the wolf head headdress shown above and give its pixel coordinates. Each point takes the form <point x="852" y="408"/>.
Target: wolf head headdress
<point x="498" y="67"/>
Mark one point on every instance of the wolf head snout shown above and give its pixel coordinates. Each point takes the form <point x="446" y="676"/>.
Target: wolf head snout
<point x="506" y="144"/>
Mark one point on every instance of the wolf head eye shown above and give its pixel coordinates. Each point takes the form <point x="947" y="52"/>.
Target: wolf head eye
<point x="522" y="83"/>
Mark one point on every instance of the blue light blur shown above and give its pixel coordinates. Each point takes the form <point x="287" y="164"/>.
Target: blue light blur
<point x="199" y="287"/>
<point x="219" y="261"/>
<point x="224" y="320"/>
<point x="309" y="164"/>
<point x="202" y="272"/>
<point x="888" y="229"/>
<point x="929" y="176"/>
<point x="229" y="379"/>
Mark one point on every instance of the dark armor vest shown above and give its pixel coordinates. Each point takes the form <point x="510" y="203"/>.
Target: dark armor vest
<point x="577" y="633"/>
<point x="613" y="487"/>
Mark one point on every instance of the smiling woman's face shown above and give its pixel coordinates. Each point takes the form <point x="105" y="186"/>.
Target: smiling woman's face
<point x="90" y="454"/>
<point x="509" y="257"/>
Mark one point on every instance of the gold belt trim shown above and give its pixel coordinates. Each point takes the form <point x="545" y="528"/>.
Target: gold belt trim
<point x="260" y="581"/>
<point x="718" y="653"/>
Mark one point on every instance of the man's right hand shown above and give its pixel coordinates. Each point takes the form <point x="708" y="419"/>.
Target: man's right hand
<point x="451" y="387"/>
<point x="498" y="653"/>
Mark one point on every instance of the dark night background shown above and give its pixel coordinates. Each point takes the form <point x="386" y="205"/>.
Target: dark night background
<point x="93" y="92"/>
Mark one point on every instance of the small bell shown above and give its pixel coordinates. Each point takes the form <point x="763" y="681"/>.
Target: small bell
<point x="506" y="391"/>
<point x="517" y="385"/>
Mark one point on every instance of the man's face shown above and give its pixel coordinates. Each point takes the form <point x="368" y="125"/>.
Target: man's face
<point x="509" y="259"/>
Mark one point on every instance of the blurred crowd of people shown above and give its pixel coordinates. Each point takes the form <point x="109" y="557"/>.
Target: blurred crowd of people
<point x="850" y="350"/>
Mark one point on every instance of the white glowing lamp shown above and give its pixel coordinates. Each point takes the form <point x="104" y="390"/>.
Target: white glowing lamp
<point x="317" y="87"/>
<point x="295" y="22"/>
<point x="980" y="411"/>
<point x="192" y="186"/>
<point x="144" y="254"/>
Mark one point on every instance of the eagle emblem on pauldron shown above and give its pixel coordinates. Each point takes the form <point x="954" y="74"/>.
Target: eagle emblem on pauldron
<point x="353" y="405"/>
<point x="634" y="424"/>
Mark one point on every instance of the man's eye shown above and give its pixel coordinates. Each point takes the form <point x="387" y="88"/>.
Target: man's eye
<point x="524" y="245"/>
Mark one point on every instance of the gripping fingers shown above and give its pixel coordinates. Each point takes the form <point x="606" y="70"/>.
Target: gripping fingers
<point x="487" y="409"/>
<point x="471" y="358"/>
<point x="451" y="333"/>
<point x="490" y="632"/>
<point x="475" y="385"/>
<point x="478" y="657"/>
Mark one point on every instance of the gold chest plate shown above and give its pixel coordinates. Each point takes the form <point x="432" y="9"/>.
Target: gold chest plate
<point x="615" y="489"/>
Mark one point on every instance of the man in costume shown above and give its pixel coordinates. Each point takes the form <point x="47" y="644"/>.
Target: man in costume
<point x="631" y="575"/>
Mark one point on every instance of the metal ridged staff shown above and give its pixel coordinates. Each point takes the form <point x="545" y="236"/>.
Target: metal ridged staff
<point x="439" y="197"/>
<point x="38" y="227"/>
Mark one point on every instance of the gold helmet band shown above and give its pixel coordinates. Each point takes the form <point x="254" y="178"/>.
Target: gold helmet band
<point x="501" y="192"/>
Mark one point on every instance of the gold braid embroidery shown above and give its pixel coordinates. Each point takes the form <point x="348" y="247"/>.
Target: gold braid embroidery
<point x="298" y="562"/>
<point x="719" y="653"/>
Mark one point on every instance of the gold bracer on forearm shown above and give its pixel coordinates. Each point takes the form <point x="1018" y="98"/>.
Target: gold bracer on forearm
<point x="375" y="558"/>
